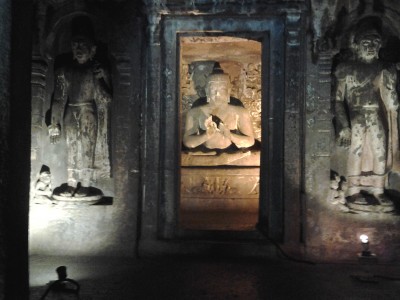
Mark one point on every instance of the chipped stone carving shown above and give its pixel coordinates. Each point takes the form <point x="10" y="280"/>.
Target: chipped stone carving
<point x="217" y="185"/>
<point x="337" y="193"/>
<point x="220" y="183"/>
<point x="82" y="96"/>
<point x="366" y="106"/>
<point x="43" y="190"/>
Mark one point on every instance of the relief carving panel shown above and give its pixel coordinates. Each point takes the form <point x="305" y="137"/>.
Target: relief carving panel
<point x="208" y="189"/>
<point x="220" y="183"/>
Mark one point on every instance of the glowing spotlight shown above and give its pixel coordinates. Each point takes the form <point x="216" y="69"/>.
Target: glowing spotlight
<point x="364" y="238"/>
<point x="365" y="244"/>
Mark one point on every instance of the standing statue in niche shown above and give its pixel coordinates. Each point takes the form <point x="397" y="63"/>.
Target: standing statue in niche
<point x="82" y="95"/>
<point x="366" y="113"/>
<point x="218" y="121"/>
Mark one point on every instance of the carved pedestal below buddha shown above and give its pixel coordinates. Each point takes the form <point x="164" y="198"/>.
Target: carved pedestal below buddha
<point x="221" y="195"/>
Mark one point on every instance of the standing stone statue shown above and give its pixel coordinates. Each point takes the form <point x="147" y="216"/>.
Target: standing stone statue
<point x="366" y="106"/>
<point x="218" y="121"/>
<point x="82" y="94"/>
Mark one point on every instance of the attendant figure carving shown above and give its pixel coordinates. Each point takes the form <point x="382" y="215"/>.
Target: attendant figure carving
<point x="366" y="106"/>
<point x="218" y="121"/>
<point x="43" y="191"/>
<point x="82" y="96"/>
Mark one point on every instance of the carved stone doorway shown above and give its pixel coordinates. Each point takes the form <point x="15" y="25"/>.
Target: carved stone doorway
<point x="247" y="184"/>
<point x="220" y="187"/>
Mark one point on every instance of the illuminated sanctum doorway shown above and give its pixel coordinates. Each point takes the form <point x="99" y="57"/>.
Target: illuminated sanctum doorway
<point x="216" y="189"/>
<point x="221" y="139"/>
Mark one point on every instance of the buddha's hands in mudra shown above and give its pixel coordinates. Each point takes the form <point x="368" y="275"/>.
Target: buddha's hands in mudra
<point x="54" y="133"/>
<point x="224" y="131"/>
<point x="213" y="129"/>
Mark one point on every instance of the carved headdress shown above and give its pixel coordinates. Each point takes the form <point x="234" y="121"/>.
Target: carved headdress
<point x="82" y="27"/>
<point x="366" y="28"/>
<point x="218" y="75"/>
<point x="366" y="33"/>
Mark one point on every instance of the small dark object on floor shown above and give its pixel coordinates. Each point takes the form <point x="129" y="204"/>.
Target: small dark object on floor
<point x="63" y="285"/>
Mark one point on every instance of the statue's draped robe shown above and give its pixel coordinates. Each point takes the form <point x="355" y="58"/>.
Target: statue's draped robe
<point x="76" y="80"/>
<point x="380" y="81"/>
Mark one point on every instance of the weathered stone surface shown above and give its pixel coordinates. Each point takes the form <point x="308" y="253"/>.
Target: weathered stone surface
<point x="369" y="128"/>
<point x="334" y="223"/>
<point x="261" y="44"/>
<point x="119" y="33"/>
<point x="15" y="117"/>
<point x="219" y="183"/>
<point x="247" y="158"/>
<point x="81" y="102"/>
<point x="219" y="199"/>
<point x="5" y="36"/>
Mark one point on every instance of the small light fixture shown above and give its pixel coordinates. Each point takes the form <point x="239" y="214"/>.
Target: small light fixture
<point x="365" y="243"/>
<point x="366" y="258"/>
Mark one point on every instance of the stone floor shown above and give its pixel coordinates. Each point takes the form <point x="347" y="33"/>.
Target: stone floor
<point x="213" y="278"/>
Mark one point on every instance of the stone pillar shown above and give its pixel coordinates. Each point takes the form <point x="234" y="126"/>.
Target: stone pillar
<point x="38" y="81"/>
<point x="293" y="126"/>
<point x="5" y="37"/>
<point x="151" y="127"/>
<point x="318" y="130"/>
<point x="121" y="138"/>
<point x="323" y="121"/>
<point x="15" y="111"/>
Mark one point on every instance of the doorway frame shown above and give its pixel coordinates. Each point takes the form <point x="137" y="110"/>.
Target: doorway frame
<point x="271" y="31"/>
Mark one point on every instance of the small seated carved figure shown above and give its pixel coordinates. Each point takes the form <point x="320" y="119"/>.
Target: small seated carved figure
<point x="43" y="189"/>
<point x="218" y="122"/>
<point x="366" y="114"/>
<point x="334" y="191"/>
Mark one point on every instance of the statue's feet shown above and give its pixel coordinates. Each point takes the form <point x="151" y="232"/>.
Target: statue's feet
<point x="69" y="191"/>
<point x="82" y="192"/>
<point x="383" y="199"/>
<point x="359" y="199"/>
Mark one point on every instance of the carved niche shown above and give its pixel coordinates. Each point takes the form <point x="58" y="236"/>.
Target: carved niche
<point x="220" y="181"/>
